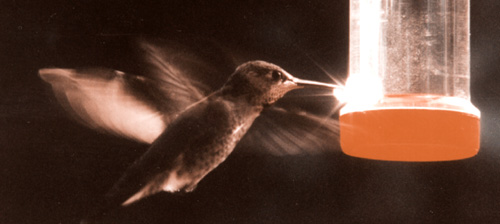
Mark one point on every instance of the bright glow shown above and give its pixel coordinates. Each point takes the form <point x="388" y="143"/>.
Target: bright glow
<point x="369" y="38"/>
<point x="364" y="87"/>
<point x="360" y="90"/>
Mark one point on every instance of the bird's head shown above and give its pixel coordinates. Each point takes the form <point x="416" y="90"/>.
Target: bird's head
<point x="263" y="83"/>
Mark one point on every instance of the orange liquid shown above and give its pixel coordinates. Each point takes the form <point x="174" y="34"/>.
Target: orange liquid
<point x="409" y="134"/>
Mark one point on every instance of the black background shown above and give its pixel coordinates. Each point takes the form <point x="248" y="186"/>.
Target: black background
<point x="53" y="170"/>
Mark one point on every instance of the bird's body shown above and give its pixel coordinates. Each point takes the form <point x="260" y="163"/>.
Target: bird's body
<point x="190" y="133"/>
<point x="196" y="142"/>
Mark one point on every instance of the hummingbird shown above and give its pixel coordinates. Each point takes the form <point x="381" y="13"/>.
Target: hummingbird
<point x="190" y="133"/>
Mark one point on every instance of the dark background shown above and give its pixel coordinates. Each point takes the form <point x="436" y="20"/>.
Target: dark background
<point x="52" y="169"/>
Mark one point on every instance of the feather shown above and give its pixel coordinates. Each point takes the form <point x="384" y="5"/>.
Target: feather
<point x="282" y="132"/>
<point x="131" y="106"/>
<point x="104" y="100"/>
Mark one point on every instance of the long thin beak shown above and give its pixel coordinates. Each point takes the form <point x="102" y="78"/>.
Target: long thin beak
<point x="313" y="84"/>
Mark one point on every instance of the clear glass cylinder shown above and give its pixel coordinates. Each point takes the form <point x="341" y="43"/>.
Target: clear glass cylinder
<point x="407" y="95"/>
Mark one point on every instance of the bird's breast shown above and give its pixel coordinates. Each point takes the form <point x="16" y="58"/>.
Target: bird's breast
<point x="214" y="129"/>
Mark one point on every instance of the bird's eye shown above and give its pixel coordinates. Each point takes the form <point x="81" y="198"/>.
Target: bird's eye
<point x="277" y="75"/>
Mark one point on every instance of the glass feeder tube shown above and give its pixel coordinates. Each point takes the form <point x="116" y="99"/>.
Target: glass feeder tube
<point x="407" y="95"/>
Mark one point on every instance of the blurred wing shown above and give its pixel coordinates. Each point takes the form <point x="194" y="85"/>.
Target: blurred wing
<point x="172" y="72"/>
<point x="137" y="107"/>
<point x="108" y="100"/>
<point x="281" y="132"/>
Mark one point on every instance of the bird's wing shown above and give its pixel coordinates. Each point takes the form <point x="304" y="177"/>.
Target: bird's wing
<point x="106" y="100"/>
<point x="176" y="76"/>
<point x="136" y="107"/>
<point x="283" y="132"/>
